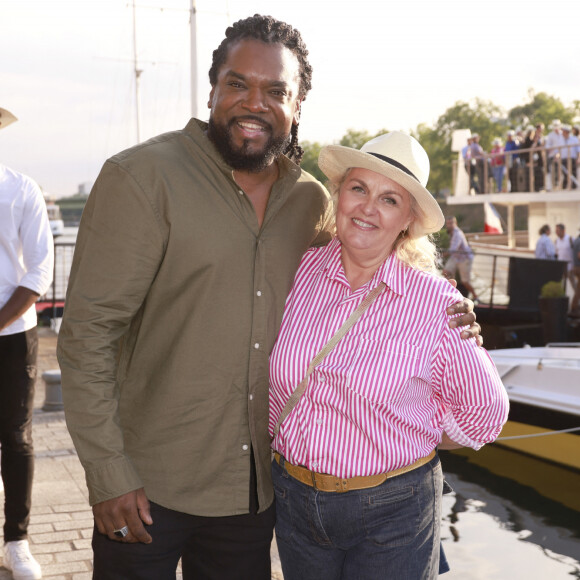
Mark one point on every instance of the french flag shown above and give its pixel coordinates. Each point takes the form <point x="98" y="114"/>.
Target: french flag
<point x="492" y="220"/>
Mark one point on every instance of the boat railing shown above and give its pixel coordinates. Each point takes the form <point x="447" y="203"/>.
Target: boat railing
<point x="54" y="298"/>
<point x="503" y="280"/>
<point x="533" y="169"/>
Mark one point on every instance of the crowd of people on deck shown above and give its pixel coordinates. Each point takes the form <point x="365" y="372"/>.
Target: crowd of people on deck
<point x="565" y="248"/>
<point x="534" y="161"/>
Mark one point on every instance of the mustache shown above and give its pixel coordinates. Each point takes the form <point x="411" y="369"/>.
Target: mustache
<point x="253" y="119"/>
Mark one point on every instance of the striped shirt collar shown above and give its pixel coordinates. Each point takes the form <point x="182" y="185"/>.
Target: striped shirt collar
<point x="391" y="271"/>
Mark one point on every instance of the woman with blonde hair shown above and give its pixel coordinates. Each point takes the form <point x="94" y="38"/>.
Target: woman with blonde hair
<point x="367" y="379"/>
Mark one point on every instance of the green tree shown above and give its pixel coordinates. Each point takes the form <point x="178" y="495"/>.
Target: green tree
<point x="440" y="157"/>
<point x="356" y="139"/>
<point x="310" y="159"/>
<point x="352" y="138"/>
<point x="482" y="117"/>
<point x="541" y="108"/>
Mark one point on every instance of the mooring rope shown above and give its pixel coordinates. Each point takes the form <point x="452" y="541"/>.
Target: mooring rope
<point x="529" y="436"/>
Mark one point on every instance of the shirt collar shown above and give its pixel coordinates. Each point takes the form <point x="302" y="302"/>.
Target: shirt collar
<point x="391" y="271"/>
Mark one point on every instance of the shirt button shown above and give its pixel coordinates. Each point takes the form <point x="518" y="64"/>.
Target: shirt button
<point x="257" y="345"/>
<point x="258" y="293"/>
<point x="315" y="464"/>
<point x="251" y="397"/>
<point x="319" y="421"/>
<point x="245" y="447"/>
<point x="241" y="192"/>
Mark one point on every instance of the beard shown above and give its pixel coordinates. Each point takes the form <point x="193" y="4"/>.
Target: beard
<point x="241" y="158"/>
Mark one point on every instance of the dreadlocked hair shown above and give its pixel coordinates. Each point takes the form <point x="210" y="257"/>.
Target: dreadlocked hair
<point x="271" y="31"/>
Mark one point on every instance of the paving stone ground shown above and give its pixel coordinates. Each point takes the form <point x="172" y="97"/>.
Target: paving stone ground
<point x="61" y="521"/>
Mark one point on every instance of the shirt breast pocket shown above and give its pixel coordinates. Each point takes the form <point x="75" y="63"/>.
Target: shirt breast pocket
<point x="388" y="371"/>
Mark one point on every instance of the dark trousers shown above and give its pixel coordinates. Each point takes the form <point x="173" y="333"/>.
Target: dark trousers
<point x="513" y="176"/>
<point x="17" y="376"/>
<point x="572" y="173"/>
<point x="232" y="548"/>
<point x="554" y="170"/>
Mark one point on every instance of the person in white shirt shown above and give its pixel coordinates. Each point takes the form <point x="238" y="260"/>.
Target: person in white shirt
<point x="563" y="245"/>
<point x="554" y="141"/>
<point x="26" y="270"/>
<point x="569" y="157"/>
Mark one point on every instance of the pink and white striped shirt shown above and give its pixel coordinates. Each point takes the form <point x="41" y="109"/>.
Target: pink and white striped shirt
<point x="382" y="398"/>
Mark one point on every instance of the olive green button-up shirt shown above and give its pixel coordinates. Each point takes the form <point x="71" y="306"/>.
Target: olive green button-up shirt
<point x="174" y="302"/>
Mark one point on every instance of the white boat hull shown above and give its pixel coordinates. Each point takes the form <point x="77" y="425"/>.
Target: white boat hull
<point x="543" y="385"/>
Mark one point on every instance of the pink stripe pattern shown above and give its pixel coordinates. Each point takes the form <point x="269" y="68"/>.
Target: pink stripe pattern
<point x="382" y="398"/>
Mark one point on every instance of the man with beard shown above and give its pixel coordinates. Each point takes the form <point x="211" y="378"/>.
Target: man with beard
<point x="186" y="251"/>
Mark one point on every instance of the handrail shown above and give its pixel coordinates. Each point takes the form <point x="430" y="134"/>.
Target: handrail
<point x="62" y="260"/>
<point x="542" y="166"/>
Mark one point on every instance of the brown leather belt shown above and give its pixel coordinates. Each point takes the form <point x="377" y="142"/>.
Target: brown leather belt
<point x="330" y="483"/>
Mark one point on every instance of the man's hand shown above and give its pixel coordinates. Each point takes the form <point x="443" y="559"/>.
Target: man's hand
<point x="131" y="510"/>
<point x="21" y="300"/>
<point x="467" y="318"/>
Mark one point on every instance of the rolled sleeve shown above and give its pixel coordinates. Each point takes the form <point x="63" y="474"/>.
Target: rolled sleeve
<point x="475" y="401"/>
<point x="37" y="244"/>
<point x="118" y="252"/>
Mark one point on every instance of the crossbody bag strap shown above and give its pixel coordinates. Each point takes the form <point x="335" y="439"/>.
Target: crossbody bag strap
<point x="339" y="334"/>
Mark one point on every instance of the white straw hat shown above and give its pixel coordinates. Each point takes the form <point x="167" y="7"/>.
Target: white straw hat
<point x="6" y="117"/>
<point x="399" y="157"/>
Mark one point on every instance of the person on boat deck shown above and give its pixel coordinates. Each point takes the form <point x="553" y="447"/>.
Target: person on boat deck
<point x="497" y="164"/>
<point x="512" y="161"/>
<point x="356" y="475"/>
<point x="553" y="143"/>
<point x="475" y="155"/>
<point x="186" y="251"/>
<point x="460" y="255"/>
<point x="545" y="249"/>
<point x="564" y="252"/>
<point x="569" y="157"/>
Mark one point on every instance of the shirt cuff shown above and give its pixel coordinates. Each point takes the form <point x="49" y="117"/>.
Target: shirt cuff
<point x="37" y="282"/>
<point x="455" y="433"/>
<point x="112" y="480"/>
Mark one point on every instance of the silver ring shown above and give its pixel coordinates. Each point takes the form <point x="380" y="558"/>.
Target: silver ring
<point x="121" y="533"/>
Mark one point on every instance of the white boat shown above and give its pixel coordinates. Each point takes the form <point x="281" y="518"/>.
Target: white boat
<point x="543" y="385"/>
<point x="54" y="217"/>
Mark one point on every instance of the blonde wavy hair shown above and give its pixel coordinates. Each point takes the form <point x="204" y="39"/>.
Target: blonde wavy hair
<point x="419" y="253"/>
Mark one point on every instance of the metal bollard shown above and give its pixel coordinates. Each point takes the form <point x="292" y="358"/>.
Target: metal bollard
<point x="52" y="391"/>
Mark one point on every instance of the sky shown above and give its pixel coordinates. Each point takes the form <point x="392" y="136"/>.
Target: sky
<point x="67" y="68"/>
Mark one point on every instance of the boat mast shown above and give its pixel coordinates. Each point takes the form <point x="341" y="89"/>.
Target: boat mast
<point x="138" y="72"/>
<point x="193" y="24"/>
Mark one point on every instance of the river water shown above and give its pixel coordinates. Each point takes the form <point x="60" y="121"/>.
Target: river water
<point x="510" y="516"/>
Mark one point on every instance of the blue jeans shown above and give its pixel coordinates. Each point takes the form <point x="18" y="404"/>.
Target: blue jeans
<point x="391" y="531"/>
<point x="497" y="171"/>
